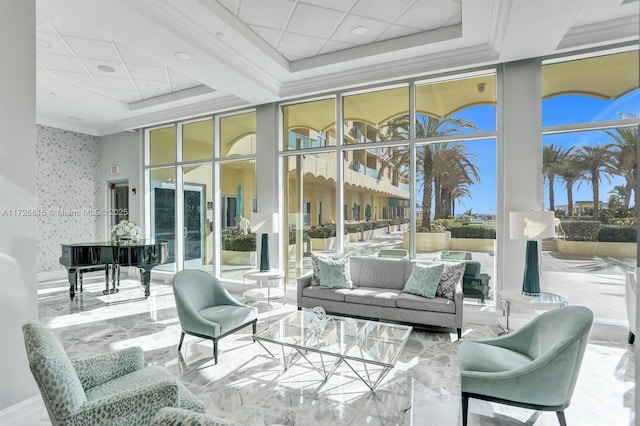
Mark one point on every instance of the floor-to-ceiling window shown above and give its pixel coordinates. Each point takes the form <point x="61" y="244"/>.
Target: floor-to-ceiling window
<point x="590" y="111"/>
<point x="359" y="182"/>
<point x="207" y="222"/>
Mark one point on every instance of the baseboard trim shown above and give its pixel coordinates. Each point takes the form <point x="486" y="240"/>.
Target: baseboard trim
<point x="27" y="412"/>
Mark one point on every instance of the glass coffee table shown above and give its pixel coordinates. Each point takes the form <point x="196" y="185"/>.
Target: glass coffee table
<point x="369" y="348"/>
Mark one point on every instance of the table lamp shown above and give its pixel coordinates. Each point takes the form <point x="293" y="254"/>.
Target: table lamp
<point x="531" y="226"/>
<point x="264" y="223"/>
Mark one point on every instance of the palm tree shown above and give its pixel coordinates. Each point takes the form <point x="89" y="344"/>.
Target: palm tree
<point x="617" y="196"/>
<point x="595" y="162"/>
<point x="453" y="172"/>
<point x="426" y="127"/>
<point x="625" y="158"/>
<point x="570" y="171"/>
<point x="552" y="156"/>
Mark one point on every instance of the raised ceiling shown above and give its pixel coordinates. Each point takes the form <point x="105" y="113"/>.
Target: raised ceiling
<point x="107" y="66"/>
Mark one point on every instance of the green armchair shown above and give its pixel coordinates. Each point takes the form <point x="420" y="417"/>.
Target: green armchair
<point x="474" y="283"/>
<point x="207" y="310"/>
<point x="108" y="389"/>
<point x="535" y="367"/>
<point x="251" y="416"/>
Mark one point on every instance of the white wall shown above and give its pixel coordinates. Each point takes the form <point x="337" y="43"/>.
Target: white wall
<point x="18" y="294"/>
<point x="123" y="150"/>
<point x="67" y="188"/>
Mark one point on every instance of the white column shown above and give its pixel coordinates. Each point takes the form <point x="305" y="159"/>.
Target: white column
<point x="18" y="256"/>
<point x="520" y="154"/>
<point x="268" y="190"/>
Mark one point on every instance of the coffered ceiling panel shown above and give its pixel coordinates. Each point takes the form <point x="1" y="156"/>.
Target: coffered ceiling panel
<point x="115" y="65"/>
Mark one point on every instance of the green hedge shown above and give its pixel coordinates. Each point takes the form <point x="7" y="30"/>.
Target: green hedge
<point x="581" y="230"/>
<point x="322" y="232"/>
<point x="240" y="243"/>
<point x="473" y="231"/>
<point x="611" y="233"/>
<point x="352" y="228"/>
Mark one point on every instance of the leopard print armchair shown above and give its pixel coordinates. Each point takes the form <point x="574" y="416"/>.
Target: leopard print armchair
<point x="107" y="389"/>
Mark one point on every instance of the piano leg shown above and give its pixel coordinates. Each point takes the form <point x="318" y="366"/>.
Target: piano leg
<point x="145" y="280"/>
<point x="116" y="277"/>
<point x="73" y="282"/>
<point x="106" y="275"/>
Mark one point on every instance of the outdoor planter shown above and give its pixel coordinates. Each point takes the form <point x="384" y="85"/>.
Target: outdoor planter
<point x="595" y="248"/>
<point x="429" y="241"/>
<point x="239" y="257"/>
<point x="323" y="243"/>
<point x="474" y="244"/>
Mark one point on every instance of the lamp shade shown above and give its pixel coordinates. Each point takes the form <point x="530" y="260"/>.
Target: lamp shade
<point x="264" y="223"/>
<point x="531" y="225"/>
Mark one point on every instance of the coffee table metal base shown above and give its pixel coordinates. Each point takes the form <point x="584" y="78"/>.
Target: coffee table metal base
<point x="369" y="349"/>
<point x="370" y="378"/>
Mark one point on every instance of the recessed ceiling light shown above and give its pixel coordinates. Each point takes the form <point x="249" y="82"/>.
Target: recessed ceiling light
<point x="43" y="43"/>
<point x="183" y="56"/>
<point x="359" y="30"/>
<point x="106" y="68"/>
<point x="73" y="117"/>
<point x="219" y="34"/>
<point x="153" y="86"/>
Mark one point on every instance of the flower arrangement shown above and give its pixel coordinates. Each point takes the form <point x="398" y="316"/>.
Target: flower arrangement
<point x="126" y="230"/>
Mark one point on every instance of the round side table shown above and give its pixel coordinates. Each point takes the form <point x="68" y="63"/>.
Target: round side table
<point x="514" y="299"/>
<point x="268" y="286"/>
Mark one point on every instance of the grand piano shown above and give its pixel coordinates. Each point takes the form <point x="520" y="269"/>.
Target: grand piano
<point x="143" y="254"/>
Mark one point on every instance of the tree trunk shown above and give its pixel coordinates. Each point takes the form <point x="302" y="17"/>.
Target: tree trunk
<point x="569" y="199"/>
<point x="595" y="184"/>
<point x="427" y="191"/>
<point x="552" y="197"/>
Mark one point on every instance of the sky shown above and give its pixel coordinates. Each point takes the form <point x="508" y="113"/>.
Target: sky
<point x="565" y="109"/>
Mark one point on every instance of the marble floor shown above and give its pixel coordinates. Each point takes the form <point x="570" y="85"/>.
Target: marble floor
<point x="423" y="389"/>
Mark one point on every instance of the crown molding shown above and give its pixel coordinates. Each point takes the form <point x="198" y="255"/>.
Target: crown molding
<point x="209" y="106"/>
<point x="405" y="68"/>
<point x="162" y="100"/>
<point x="499" y="21"/>
<point x="424" y="38"/>
<point x="602" y="33"/>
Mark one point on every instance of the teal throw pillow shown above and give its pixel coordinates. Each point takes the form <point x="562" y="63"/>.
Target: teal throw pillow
<point x="335" y="273"/>
<point x="424" y="280"/>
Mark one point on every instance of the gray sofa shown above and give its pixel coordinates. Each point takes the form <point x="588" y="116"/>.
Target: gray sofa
<point x="377" y="293"/>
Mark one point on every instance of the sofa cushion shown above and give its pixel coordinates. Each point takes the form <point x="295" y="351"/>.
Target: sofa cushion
<point x="334" y="273"/>
<point x="319" y="292"/>
<point x="450" y="277"/>
<point x="419" y="303"/>
<point x="373" y="296"/>
<point x="424" y="280"/>
<point x="315" y="278"/>
<point x="380" y="273"/>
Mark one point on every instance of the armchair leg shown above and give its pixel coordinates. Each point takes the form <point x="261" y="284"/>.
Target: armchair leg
<point x="561" y="419"/>
<point x="465" y="408"/>
<point x="215" y="351"/>
<point x="181" y="339"/>
<point x="459" y="333"/>
<point x="630" y="339"/>
<point x="255" y="328"/>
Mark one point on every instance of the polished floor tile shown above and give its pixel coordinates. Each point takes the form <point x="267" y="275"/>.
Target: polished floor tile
<point x="423" y="389"/>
